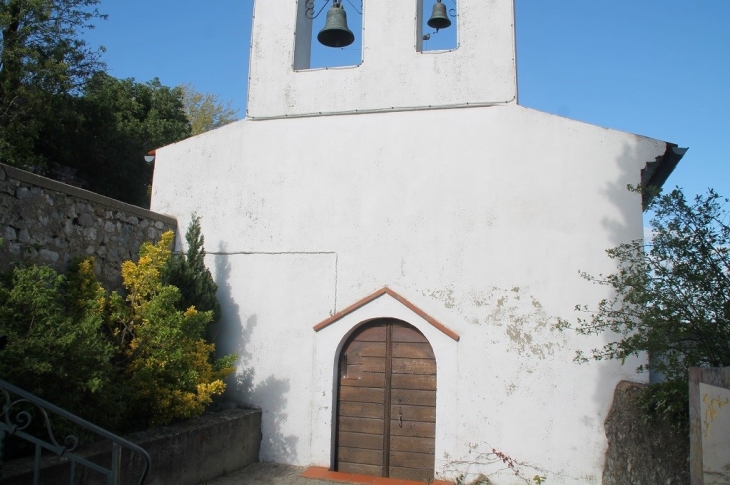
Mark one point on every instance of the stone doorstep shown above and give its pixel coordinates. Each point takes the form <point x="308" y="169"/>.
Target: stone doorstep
<point x="323" y="473"/>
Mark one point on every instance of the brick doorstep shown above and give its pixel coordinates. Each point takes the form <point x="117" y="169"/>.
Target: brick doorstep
<point x="323" y="473"/>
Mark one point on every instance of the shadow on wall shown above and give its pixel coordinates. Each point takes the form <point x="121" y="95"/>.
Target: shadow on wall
<point x="233" y="336"/>
<point x="627" y="225"/>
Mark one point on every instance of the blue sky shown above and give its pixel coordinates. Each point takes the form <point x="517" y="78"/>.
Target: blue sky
<point x="659" y="68"/>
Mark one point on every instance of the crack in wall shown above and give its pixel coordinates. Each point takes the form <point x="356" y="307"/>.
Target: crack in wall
<point x="290" y="253"/>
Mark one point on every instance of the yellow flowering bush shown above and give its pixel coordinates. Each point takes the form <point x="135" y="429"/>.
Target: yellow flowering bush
<point x="170" y="367"/>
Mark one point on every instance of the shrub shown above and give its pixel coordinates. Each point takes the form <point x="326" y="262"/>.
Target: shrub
<point x="171" y="369"/>
<point x="124" y="363"/>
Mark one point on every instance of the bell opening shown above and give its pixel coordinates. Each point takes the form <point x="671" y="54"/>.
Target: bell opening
<point x="438" y="26"/>
<point x="331" y="39"/>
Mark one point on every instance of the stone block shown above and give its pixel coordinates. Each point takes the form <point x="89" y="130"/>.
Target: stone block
<point x="22" y="193"/>
<point x="23" y="236"/>
<point x="86" y="220"/>
<point x="49" y="255"/>
<point x="9" y="234"/>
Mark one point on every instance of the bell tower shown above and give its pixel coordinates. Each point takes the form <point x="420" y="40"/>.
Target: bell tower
<point x="395" y="73"/>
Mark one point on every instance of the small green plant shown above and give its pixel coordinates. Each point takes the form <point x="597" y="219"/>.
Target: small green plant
<point x="539" y="480"/>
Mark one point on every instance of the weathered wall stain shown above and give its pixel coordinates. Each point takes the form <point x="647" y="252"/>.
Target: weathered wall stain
<point x="526" y="324"/>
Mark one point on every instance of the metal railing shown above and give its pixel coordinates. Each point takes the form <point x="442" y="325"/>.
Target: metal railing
<point x="17" y="415"/>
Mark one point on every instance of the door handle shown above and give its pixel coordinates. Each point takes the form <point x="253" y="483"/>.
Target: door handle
<point x="400" y="414"/>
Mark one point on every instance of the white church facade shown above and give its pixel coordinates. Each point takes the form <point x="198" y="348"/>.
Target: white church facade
<point x="393" y="242"/>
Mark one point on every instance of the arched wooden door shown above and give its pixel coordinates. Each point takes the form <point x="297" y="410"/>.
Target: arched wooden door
<point x="386" y="402"/>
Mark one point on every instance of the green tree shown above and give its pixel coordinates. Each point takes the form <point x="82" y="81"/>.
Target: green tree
<point x="42" y="55"/>
<point x="206" y="111"/>
<point x="188" y="273"/>
<point x="671" y="297"/>
<point x="126" y="119"/>
<point x="106" y="132"/>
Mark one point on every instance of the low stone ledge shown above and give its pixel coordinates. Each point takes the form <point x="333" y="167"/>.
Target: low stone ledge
<point x="186" y="453"/>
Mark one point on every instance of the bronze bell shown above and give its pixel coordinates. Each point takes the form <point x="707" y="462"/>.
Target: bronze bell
<point x="335" y="32"/>
<point x="439" y="17"/>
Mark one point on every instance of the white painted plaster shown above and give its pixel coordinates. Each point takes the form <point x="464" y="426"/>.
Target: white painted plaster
<point x="480" y="216"/>
<point x="393" y="74"/>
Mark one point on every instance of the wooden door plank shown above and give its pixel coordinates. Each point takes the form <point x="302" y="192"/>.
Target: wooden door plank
<point x="366" y="349"/>
<point x="364" y="394"/>
<point x="362" y="425"/>
<point x="414" y="413"/>
<point x="412" y="350"/>
<point x="414" y="398"/>
<point x="361" y="410"/>
<point x="407" y="334"/>
<point x="361" y="440"/>
<point x="360" y="469"/>
<point x="411" y="460"/>
<point x="413" y="428"/>
<point x="366" y="380"/>
<point x="371" y="334"/>
<point x="414" y="366"/>
<point x="359" y="365"/>
<point x="412" y="444"/>
<point x="414" y="382"/>
<point x="360" y="455"/>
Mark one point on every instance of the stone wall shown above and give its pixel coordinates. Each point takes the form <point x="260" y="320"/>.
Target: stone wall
<point x="186" y="453"/>
<point x="50" y="223"/>
<point x="641" y="453"/>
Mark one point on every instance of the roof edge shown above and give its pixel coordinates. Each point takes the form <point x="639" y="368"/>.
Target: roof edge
<point x="374" y="296"/>
<point x="656" y="173"/>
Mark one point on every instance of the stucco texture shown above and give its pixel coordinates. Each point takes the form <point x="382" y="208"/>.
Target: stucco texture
<point x="481" y="217"/>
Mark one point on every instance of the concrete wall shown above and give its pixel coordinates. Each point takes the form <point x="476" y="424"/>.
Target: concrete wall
<point x="481" y="217"/>
<point x="186" y="453"/>
<point x="49" y="223"/>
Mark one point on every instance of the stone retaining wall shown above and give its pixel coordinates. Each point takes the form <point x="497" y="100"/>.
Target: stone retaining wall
<point x="638" y="452"/>
<point x="50" y="223"/>
<point x="186" y="453"/>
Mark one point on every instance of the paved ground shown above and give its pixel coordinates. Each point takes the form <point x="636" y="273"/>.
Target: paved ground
<point x="268" y="474"/>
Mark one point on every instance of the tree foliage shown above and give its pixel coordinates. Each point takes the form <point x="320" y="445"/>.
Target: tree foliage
<point x="117" y="121"/>
<point x="206" y="111"/>
<point x="42" y="55"/>
<point x="671" y="297"/>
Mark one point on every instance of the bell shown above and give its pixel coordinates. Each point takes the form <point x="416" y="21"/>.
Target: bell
<point x="335" y="32"/>
<point x="439" y="18"/>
